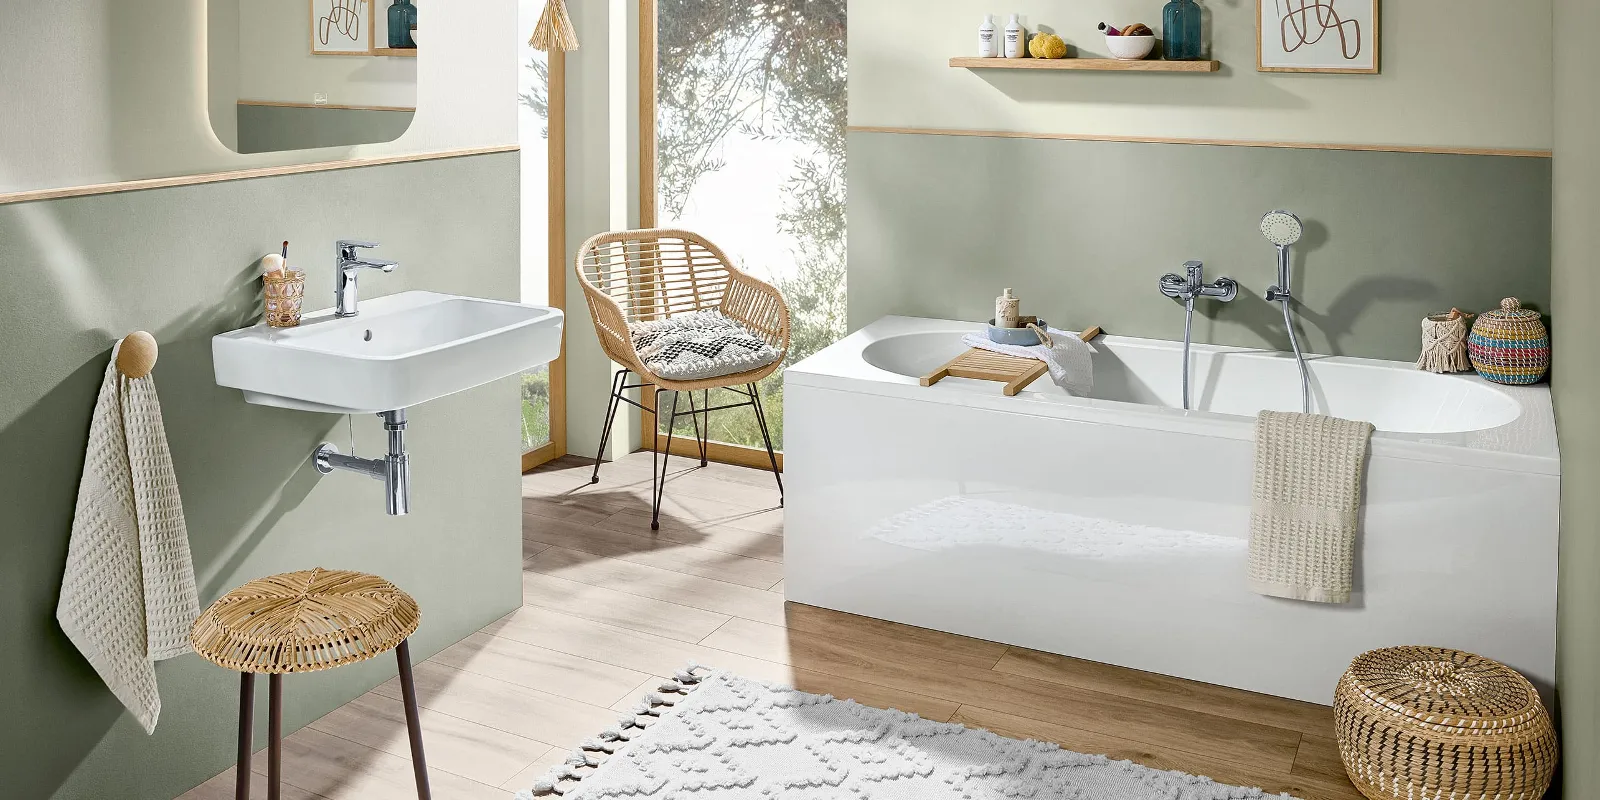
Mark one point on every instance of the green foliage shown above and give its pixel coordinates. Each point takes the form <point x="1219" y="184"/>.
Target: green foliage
<point x="766" y="69"/>
<point x="535" y="408"/>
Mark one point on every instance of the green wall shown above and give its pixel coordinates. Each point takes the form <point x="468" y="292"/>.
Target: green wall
<point x="265" y="129"/>
<point x="181" y="263"/>
<point x="1576" y="384"/>
<point x="939" y="225"/>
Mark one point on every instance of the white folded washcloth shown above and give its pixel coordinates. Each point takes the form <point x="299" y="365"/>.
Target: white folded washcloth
<point x="1070" y="359"/>
<point x="128" y="596"/>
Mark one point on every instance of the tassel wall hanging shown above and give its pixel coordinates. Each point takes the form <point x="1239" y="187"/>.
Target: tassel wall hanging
<point x="554" y="31"/>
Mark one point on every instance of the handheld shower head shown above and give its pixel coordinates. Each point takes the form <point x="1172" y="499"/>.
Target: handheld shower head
<point x="1282" y="228"/>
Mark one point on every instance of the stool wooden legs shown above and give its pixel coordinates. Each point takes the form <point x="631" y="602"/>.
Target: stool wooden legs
<point x="247" y="707"/>
<point x="247" y="721"/>
<point x="274" y="736"/>
<point x="408" y="690"/>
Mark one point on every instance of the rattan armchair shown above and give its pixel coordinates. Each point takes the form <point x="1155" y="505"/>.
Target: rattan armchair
<point x="647" y="275"/>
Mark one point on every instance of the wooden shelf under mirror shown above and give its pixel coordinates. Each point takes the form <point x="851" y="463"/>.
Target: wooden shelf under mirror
<point x="1086" y="64"/>
<point x="404" y="52"/>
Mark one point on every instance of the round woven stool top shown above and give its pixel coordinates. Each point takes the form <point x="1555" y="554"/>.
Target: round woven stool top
<point x="305" y="621"/>
<point x="1446" y="690"/>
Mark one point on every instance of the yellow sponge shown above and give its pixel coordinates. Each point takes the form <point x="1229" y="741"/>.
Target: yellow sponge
<point x="1047" y="45"/>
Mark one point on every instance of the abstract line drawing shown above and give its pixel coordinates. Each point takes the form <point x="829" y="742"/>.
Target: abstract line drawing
<point x="1318" y="36"/>
<point x="343" y="19"/>
<point x="1306" y="22"/>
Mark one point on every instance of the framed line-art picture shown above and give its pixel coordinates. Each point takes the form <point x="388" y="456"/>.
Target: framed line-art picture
<point x="1317" y="36"/>
<point x="340" y="28"/>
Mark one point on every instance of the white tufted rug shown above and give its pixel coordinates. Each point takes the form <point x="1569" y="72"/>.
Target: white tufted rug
<point x="729" y="738"/>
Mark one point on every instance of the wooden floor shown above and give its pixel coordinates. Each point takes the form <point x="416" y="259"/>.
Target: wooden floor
<point x="611" y="608"/>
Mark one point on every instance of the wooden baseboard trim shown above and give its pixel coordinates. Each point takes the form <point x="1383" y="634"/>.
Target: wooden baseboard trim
<point x="723" y="453"/>
<point x="539" y="456"/>
<point x="243" y="174"/>
<point x="337" y="106"/>
<point x="1089" y="137"/>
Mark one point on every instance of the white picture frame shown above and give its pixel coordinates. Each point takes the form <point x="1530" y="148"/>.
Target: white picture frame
<point x="341" y="27"/>
<point x="1338" y="36"/>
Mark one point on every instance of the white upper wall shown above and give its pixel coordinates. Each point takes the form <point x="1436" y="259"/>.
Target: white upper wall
<point x="1456" y="73"/>
<point x="99" y="91"/>
<point x="275" y="61"/>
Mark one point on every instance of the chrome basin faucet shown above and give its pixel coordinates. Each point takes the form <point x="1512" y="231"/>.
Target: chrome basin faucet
<point x="1187" y="287"/>
<point x="346" y="267"/>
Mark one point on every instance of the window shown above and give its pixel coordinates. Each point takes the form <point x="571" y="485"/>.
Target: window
<point x="749" y="151"/>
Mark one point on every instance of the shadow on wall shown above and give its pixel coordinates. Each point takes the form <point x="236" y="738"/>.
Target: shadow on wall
<point x="213" y="440"/>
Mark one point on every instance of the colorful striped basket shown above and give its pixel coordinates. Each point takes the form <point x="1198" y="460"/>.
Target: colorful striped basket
<point x="1510" y="345"/>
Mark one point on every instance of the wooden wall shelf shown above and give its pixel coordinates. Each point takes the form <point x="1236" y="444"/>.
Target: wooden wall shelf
<point x="404" y="52"/>
<point x="1087" y="64"/>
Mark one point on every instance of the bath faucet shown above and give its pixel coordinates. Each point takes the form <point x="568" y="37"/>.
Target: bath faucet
<point x="346" y="267"/>
<point x="1193" y="284"/>
<point x="1187" y="287"/>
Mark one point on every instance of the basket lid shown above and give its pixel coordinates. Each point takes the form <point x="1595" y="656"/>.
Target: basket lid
<point x="1510" y="310"/>
<point x="1446" y="688"/>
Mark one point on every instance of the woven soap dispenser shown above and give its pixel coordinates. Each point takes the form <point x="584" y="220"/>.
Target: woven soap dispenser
<point x="1510" y="345"/>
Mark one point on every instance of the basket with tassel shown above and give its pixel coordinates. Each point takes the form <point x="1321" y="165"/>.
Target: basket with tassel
<point x="1444" y="343"/>
<point x="1511" y="345"/>
<point x="554" y="30"/>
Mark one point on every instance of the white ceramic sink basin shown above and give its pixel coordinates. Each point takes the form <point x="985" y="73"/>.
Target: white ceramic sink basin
<point x="401" y="350"/>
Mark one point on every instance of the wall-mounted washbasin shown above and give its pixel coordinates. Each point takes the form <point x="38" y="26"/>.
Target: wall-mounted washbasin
<point x="400" y="350"/>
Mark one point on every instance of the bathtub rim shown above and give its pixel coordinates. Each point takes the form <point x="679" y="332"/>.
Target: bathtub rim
<point x="842" y="367"/>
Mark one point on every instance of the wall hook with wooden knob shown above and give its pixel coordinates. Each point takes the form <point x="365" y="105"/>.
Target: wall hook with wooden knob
<point x="136" y="357"/>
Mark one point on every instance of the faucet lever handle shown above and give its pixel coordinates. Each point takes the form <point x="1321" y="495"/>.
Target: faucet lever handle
<point x="355" y="243"/>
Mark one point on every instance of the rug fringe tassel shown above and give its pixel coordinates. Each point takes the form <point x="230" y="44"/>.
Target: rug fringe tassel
<point x="565" y="776"/>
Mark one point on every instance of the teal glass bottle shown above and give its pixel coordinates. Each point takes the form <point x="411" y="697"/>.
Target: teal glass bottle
<point x="402" y="15"/>
<point x="1182" y="28"/>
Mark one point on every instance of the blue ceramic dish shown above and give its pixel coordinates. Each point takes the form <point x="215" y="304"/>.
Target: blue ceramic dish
<point x="1023" y="337"/>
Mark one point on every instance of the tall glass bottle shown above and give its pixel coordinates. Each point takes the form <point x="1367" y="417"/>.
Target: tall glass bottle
<point x="402" y="15"/>
<point x="1182" y="29"/>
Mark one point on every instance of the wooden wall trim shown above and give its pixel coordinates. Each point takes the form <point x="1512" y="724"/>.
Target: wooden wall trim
<point x="243" y="174"/>
<point x="1089" y="137"/>
<point x="339" y="106"/>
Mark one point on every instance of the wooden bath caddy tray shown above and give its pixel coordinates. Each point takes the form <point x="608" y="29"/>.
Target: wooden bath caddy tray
<point x="986" y="365"/>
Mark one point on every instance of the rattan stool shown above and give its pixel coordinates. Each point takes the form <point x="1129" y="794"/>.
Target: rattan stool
<point x="1426" y="722"/>
<point x="305" y="622"/>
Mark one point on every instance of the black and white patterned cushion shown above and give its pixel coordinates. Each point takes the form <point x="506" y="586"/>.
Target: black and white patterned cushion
<point x="703" y="344"/>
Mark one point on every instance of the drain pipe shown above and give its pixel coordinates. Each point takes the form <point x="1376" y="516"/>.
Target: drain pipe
<point x="394" y="469"/>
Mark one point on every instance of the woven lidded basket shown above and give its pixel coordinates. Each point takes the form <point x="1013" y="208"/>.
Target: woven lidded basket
<point x="1416" y="723"/>
<point x="283" y="292"/>
<point x="1510" y="345"/>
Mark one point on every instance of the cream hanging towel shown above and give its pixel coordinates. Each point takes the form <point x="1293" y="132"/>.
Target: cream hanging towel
<point x="1307" y="499"/>
<point x="128" y="597"/>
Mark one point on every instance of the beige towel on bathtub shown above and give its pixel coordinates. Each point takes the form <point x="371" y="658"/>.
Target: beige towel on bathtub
<point x="128" y="595"/>
<point x="1306" y="501"/>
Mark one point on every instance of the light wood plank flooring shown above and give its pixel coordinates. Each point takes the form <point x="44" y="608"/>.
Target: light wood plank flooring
<point x="611" y="608"/>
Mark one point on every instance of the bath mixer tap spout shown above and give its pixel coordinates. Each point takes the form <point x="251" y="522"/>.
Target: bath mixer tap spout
<point x="1187" y="287"/>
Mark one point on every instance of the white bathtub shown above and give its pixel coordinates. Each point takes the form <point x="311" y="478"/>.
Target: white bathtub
<point x="1114" y="528"/>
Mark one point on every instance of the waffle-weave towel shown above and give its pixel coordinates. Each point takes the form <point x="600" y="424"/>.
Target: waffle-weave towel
<point x="128" y="596"/>
<point x="1307" y="500"/>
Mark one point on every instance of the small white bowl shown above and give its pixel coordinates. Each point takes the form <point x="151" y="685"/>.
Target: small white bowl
<point x="1130" y="48"/>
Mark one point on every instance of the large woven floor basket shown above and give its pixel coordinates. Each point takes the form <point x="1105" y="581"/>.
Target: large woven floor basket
<point x="1418" y="723"/>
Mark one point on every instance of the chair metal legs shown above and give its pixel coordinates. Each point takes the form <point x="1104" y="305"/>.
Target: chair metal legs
<point x="766" y="436"/>
<point x="702" y="432"/>
<point x="247" y="705"/>
<point x="617" y="381"/>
